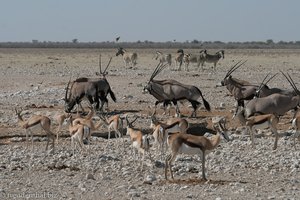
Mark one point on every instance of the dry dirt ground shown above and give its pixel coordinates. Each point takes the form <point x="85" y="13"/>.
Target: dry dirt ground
<point x="34" y="79"/>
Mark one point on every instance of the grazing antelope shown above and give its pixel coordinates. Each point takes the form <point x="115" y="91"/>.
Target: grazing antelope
<point x="277" y="104"/>
<point x="179" y="59"/>
<point x="129" y="58"/>
<point x="91" y="88"/>
<point x="140" y="142"/>
<point x="163" y="58"/>
<point x="35" y="120"/>
<point x="260" y="122"/>
<point x="171" y="90"/>
<point x="181" y="143"/>
<point x="296" y="126"/>
<point x="212" y="58"/>
<point x="241" y="90"/>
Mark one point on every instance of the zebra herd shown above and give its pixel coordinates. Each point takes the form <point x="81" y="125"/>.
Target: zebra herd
<point x="181" y="58"/>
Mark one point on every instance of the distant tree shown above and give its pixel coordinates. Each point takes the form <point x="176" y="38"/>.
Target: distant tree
<point x="270" y="41"/>
<point x="75" y="41"/>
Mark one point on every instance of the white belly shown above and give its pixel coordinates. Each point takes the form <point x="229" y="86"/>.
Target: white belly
<point x="185" y="149"/>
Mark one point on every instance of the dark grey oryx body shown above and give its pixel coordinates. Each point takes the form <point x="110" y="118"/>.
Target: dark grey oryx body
<point x="241" y="90"/>
<point x="277" y="104"/>
<point x="91" y="88"/>
<point x="166" y="91"/>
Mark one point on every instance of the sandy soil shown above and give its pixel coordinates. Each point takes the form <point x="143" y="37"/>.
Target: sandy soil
<point x="34" y="79"/>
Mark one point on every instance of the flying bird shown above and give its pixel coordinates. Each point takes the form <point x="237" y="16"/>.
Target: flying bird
<point x="117" y="39"/>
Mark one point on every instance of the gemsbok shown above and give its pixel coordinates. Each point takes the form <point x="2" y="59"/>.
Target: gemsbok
<point x="212" y="58"/>
<point x="163" y="58"/>
<point x="264" y="90"/>
<point x="181" y="143"/>
<point x="129" y="58"/>
<point x="91" y="88"/>
<point x="172" y="91"/>
<point x="260" y="122"/>
<point x="277" y="104"/>
<point x="239" y="89"/>
<point x="33" y="121"/>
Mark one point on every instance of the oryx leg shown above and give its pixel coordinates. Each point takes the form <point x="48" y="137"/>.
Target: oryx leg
<point x="276" y="139"/>
<point x="195" y="105"/>
<point x="239" y="103"/>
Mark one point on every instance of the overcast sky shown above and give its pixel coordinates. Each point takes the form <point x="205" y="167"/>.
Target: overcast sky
<point x="153" y="20"/>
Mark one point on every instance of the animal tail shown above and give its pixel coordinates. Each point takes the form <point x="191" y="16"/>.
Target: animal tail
<point x="206" y="104"/>
<point x="112" y="95"/>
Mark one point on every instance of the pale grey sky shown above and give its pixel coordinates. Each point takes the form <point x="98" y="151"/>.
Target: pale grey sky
<point x="153" y="20"/>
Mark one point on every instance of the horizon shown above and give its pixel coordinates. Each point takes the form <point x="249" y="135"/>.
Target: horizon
<point x="157" y="21"/>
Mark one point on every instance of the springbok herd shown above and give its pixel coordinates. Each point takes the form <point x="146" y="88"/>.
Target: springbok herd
<point x="264" y="108"/>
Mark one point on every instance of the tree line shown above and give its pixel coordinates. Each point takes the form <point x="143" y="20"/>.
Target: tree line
<point x="193" y="44"/>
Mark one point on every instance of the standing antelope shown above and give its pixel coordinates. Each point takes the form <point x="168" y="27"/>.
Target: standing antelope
<point x="77" y="134"/>
<point x="181" y="143"/>
<point x="296" y="126"/>
<point x="129" y="58"/>
<point x="241" y="90"/>
<point x="172" y="90"/>
<point x="161" y="131"/>
<point x="179" y="59"/>
<point x="163" y="58"/>
<point x="140" y="142"/>
<point x="277" y="104"/>
<point x="260" y="122"/>
<point x="214" y="58"/>
<point x="115" y="123"/>
<point x="35" y="120"/>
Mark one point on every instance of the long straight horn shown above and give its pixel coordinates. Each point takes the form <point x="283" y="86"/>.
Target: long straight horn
<point x="270" y="78"/>
<point x="235" y="67"/>
<point x="67" y="88"/>
<point x="100" y="64"/>
<point x="107" y="65"/>
<point x="290" y="80"/>
<point x="155" y="71"/>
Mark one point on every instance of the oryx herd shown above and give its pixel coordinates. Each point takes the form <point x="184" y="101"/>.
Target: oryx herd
<point x="257" y="107"/>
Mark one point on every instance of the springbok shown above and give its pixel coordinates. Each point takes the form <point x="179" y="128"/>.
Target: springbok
<point x="163" y="58"/>
<point x="260" y="122"/>
<point x="77" y="134"/>
<point x="60" y="118"/>
<point x="241" y="90"/>
<point x="129" y="58"/>
<point x="114" y="123"/>
<point x="161" y="131"/>
<point x="35" y="120"/>
<point x="212" y="58"/>
<point x="296" y="126"/>
<point x="277" y="104"/>
<point x="140" y="141"/>
<point x="172" y="90"/>
<point x="181" y="143"/>
<point x="179" y="59"/>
